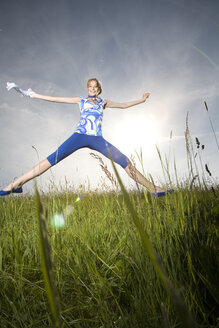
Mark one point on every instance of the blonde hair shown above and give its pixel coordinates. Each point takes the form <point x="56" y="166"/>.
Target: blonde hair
<point x="98" y="84"/>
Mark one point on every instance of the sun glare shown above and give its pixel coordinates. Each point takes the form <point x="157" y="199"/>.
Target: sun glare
<point x="138" y="132"/>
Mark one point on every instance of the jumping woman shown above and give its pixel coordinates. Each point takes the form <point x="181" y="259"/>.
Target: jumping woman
<point x="88" y="134"/>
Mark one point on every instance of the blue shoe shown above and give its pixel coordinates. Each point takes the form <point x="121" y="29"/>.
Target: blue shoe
<point x="7" y="192"/>
<point x="162" y="193"/>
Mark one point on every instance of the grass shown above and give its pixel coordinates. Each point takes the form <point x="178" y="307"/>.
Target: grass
<point x="102" y="273"/>
<point x="121" y="259"/>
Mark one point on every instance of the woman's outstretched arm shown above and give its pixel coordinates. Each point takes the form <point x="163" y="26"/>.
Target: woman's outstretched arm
<point x="112" y="104"/>
<point x="66" y="100"/>
<point x="33" y="94"/>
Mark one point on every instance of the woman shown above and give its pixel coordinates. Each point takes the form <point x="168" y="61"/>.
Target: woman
<point x="88" y="134"/>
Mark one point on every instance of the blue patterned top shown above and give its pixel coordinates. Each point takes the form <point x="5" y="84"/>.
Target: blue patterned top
<point x="91" y="117"/>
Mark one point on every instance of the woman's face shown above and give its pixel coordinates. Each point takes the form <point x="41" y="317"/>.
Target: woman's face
<point x="92" y="88"/>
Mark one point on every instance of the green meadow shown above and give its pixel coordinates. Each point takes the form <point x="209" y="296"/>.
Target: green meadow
<point x="112" y="259"/>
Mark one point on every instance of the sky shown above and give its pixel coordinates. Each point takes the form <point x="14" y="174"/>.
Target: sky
<point x="169" y="48"/>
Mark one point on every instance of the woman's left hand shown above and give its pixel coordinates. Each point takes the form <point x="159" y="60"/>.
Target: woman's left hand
<point x="146" y="95"/>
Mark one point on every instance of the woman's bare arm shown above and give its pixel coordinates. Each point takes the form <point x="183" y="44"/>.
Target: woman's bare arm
<point x="112" y="104"/>
<point x="66" y="100"/>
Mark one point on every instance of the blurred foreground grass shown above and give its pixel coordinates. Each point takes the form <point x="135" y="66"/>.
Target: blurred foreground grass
<point x="102" y="273"/>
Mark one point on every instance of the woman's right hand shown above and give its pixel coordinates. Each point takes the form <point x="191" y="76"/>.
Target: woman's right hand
<point x="30" y="93"/>
<point x="26" y="93"/>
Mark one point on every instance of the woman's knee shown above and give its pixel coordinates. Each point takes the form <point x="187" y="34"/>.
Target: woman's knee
<point x="42" y="167"/>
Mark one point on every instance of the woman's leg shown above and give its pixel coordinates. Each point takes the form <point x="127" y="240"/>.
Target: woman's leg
<point x="73" y="143"/>
<point x="37" y="170"/>
<point x="139" y="178"/>
<point x="106" y="148"/>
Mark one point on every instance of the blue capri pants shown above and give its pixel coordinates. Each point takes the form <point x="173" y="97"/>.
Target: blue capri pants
<point x="77" y="141"/>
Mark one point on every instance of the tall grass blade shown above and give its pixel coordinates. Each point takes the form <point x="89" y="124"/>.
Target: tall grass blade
<point x="0" y="258"/>
<point x="46" y="263"/>
<point x="183" y="312"/>
<point x="206" y="106"/>
<point x="165" y="316"/>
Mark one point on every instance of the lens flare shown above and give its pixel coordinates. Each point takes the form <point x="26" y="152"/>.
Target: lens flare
<point x="77" y="199"/>
<point x="206" y="57"/>
<point x="68" y="210"/>
<point x="58" y="220"/>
